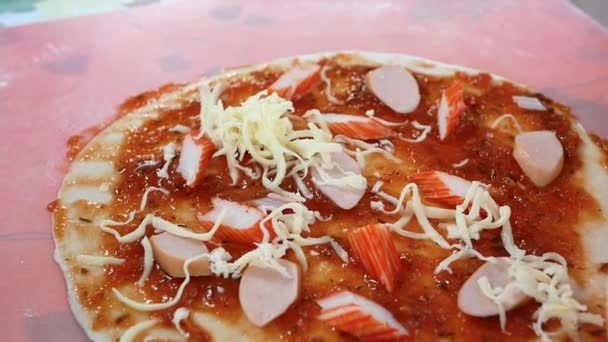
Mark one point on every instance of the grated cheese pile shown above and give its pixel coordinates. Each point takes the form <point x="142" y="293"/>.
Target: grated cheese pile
<point x="261" y="129"/>
<point x="544" y="278"/>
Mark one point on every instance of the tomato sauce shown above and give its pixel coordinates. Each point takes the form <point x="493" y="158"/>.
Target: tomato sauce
<point x="425" y="303"/>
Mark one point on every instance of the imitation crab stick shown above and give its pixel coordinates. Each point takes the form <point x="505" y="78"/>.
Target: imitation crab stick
<point x="266" y="293"/>
<point x="171" y="251"/>
<point x="373" y="245"/>
<point x="395" y="87"/>
<point x="194" y="157"/>
<point x="296" y="82"/>
<point x="240" y="223"/>
<point x="451" y="108"/>
<point x="442" y="187"/>
<point x="361" y="317"/>
<point x="540" y="156"/>
<point x="358" y="127"/>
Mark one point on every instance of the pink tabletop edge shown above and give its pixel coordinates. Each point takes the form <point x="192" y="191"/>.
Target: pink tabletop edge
<point x="59" y="78"/>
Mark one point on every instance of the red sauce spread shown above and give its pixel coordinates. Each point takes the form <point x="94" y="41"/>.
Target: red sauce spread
<point x="542" y="218"/>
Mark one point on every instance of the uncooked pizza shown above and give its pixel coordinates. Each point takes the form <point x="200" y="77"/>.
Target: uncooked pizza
<point x="338" y="197"/>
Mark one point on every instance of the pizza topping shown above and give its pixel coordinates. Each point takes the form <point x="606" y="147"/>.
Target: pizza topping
<point x="98" y="260"/>
<point x="363" y="149"/>
<point x="357" y="127"/>
<point x="395" y="86"/>
<point x="296" y="82"/>
<point x="503" y="117"/>
<point x="131" y="334"/>
<point x="242" y="225"/>
<point x="544" y="278"/>
<point x="373" y="245"/>
<point x="424" y="131"/>
<point x="474" y="302"/>
<point x="540" y="155"/>
<point x="179" y="315"/>
<point x="442" y="187"/>
<point x="260" y="128"/>
<point x="461" y="163"/>
<point x="304" y="190"/>
<point x="146" y="163"/>
<point x="527" y="102"/>
<point x="340" y="181"/>
<point x="370" y="113"/>
<point x="265" y="293"/>
<point x="194" y="158"/>
<point x="180" y="129"/>
<point x="271" y="202"/>
<point x="148" y="261"/>
<point x="144" y="198"/>
<point x="172" y="251"/>
<point x="328" y="93"/>
<point x="360" y="317"/>
<point x="168" y="155"/>
<point x="451" y="108"/>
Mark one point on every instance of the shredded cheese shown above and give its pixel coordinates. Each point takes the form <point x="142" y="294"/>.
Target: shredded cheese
<point x="178" y="316"/>
<point x="304" y="190"/>
<point x="145" y="306"/>
<point x="144" y="198"/>
<point x="362" y="149"/>
<point x="461" y="163"/>
<point x="503" y="117"/>
<point x="261" y="129"/>
<point x="168" y="155"/>
<point x="289" y="222"/>
<point x="424" y="131"/>
<point x="97" y="260"/>
<point x="146" y="163"/>
<point x="130" y="334"/>
<point x="327" y="81"/>
<point x="148" y="261"/>
<point x="180" y="129"/>
<point x="370" y="113"/>
<point x="544" y="278"/>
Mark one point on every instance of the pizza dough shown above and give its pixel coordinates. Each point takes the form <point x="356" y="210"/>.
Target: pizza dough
<point x="106" y="206"/>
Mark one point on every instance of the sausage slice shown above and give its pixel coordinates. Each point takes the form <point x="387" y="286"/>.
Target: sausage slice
<point x="344" y="197"/>
<point x="473" y="302"/>
<point x="171" y="251"/>
<point x="265" y="293"/>
<point x="395" y="87"/>
<point x="540" y="156"/>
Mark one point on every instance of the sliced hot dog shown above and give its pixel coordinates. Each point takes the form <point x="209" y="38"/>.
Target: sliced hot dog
<point x="473" y="302"/>
<point x="345" y="196"/>
<point x="171" y="251"/>
<point x="540" y="155"/>
<point x="395" y="87"/>
<point x="265" y="293"/>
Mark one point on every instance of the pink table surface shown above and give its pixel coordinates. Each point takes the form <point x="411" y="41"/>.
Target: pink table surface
<point x="57" y="79"/>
